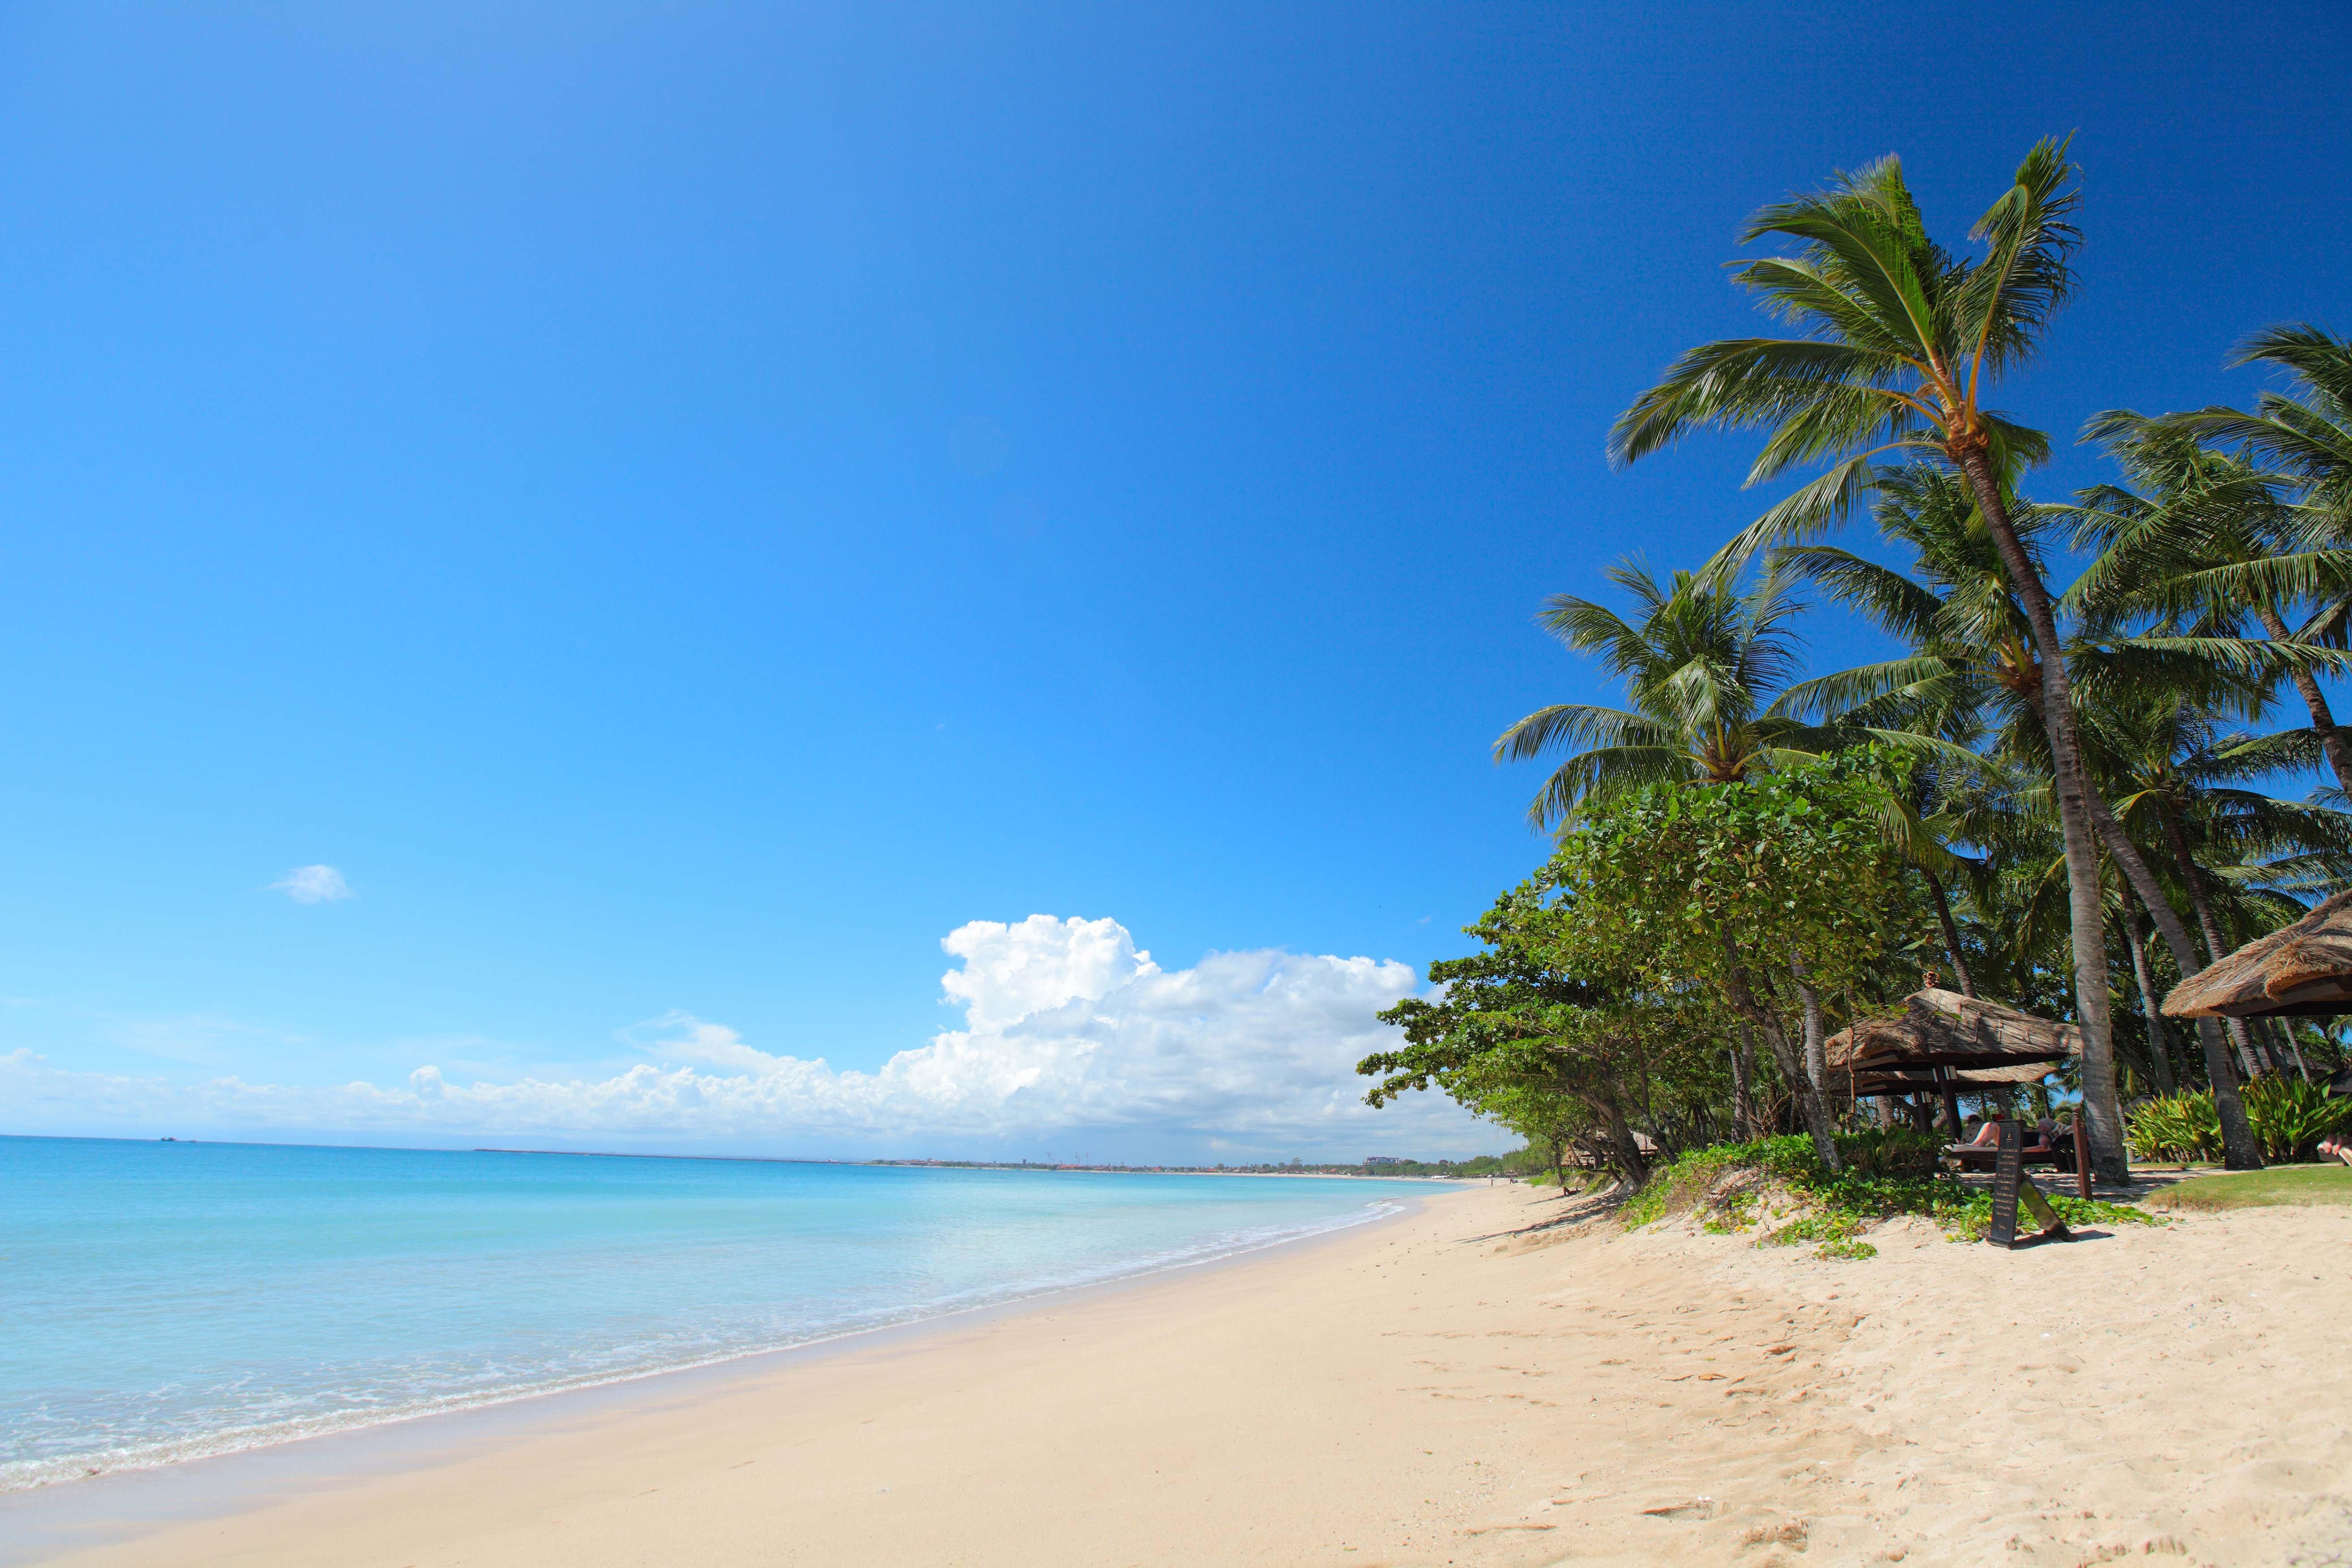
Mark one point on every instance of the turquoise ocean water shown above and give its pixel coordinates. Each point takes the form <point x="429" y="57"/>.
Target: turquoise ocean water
<point x="166" y="1301"/>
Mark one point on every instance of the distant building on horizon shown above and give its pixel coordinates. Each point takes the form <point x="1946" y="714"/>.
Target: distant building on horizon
<point x="1385" y="1160"/>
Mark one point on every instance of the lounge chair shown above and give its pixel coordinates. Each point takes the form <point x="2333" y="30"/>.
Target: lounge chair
<point x="2058" y="1154"/>
<point x="1984" y="1156"/>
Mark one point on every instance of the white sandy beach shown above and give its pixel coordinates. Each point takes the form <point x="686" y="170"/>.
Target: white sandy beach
<point x="1442" y="1390"/>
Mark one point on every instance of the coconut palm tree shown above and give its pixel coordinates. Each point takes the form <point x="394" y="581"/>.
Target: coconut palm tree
<point x="1700" y="661"/>
<point x="2202" y="540"/>
<point x="1901" y="340"/>
<point x="1971" y="668"/>
<point x="2305" y="433"/>
<point x="2181" y="777"/>
<point x="2177" y="775"/>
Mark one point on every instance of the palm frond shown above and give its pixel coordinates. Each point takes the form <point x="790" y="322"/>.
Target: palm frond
<point x="1845" y="690"/>
<point x="1815" y="507"/>
<point x="1570" y="724"/>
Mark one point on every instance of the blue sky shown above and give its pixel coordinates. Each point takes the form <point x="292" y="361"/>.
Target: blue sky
<point x="685" y="505"/>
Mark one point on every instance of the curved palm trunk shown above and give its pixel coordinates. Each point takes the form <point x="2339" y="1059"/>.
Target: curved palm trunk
<point x="2159" y="1054"/>
<point x="2323" y="718"/>
<point x="2085" y="916"/>
<point x="2295" y="1046"/>
<point x="1951" y="932"/>
<point x="2239" y="1150"/>
<point x="2192" y="877"/>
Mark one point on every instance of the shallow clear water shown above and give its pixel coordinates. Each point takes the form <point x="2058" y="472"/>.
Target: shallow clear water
<point x="162" y="1301"/>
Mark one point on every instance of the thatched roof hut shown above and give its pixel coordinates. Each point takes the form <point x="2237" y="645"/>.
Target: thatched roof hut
<point x="1945" y="1042"/>
<point x="2303" y="970"/>
<point x="1582" y="1157"/>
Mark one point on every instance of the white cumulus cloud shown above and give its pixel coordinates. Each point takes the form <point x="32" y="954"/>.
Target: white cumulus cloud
<point x="1069" y="1033"/>
<point x="312" y="885"/>
<point x="1013" y="971"/>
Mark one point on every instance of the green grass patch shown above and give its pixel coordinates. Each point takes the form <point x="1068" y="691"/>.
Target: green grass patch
<point x="2280" y="1184"/>
<point x="1882" y="1180"/>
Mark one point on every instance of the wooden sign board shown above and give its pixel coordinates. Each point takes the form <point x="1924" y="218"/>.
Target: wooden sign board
<point x="2012" y="1185"/>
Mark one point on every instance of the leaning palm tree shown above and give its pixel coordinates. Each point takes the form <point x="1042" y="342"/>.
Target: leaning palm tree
<point x="2182" y="780"/>
<point x="1901" y="340"/>
<point x="1699" y="662"/>
<point x="1970" y="670"/>
<point x="2177" y="776"/>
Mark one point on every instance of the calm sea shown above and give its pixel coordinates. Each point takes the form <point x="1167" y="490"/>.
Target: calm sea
<point x="165" y="1300"/>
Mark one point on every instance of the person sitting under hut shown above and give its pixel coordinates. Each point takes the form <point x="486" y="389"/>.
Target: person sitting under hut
<point x="2040" y="1137"/>
<point x="1989" y="1135"/>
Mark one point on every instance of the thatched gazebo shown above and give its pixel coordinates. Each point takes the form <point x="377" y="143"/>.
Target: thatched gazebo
<point x="1584" y="1159"/>
<point x="1946" y="1045"/>
<point x="2301" y="972"/>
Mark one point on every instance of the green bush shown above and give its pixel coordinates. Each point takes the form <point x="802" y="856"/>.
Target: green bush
<point x="1970" y="1214"/>
<point x="1681" y="1185"/>
<point x="1841" y="1206"/>
<point x="1828" y="1224"/>
<point x="1838" y="1232"/>
<point x="2290" y="1116"/>
<point x="2179" y="1127"/>
<point x="1901" y="1153"/>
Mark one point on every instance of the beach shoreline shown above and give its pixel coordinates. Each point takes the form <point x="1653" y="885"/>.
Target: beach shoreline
<point x="39" y="1521"/>
<point x="1499" y="1376"/>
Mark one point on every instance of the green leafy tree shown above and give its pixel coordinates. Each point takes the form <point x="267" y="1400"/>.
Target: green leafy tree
<point x="1513" y="1033"/>
<point x="1729" y="885"/>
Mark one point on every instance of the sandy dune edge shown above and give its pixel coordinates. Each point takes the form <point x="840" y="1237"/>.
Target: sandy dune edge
<point x="1441" y="1389"/>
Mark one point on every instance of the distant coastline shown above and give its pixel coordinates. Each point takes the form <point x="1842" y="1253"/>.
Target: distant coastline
<point x="1409" y="1170"/>
<point x="1480" y="1167"/>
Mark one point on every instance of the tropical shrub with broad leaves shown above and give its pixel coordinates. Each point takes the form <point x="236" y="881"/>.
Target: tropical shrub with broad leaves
<point x="2176" y="1127"/>
<point x="2290" y="1116"/>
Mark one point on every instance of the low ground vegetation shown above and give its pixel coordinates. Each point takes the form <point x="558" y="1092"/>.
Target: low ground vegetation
<point x="1777" y="1189"/>
<point x="2289" y="1119"/>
